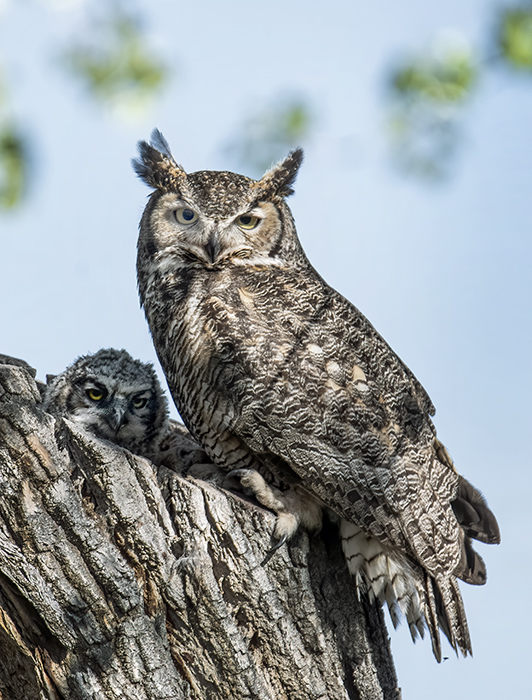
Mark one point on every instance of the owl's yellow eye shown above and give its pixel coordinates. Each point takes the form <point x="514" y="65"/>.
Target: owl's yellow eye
<point x="186" y="216"/>
<point x="95" y="394"/>
<point x="139" y="403"/>
<point x="247" y="221"/>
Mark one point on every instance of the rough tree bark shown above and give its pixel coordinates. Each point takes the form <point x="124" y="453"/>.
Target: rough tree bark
<point x="119" y="581"/>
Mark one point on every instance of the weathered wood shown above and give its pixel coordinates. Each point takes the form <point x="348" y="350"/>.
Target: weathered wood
<point x="119" y="581"/>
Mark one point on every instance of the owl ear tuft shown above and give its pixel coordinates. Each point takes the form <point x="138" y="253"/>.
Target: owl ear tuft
<point x="158" y="141"/>
<point x="156" y="165"/>
<point x="278" y="181"/>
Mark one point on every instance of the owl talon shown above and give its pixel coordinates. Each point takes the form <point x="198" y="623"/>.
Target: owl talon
<point x="275" y="547"/>
<point x="233" y="479"/>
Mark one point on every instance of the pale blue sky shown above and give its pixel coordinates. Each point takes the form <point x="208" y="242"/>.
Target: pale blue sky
<point x="443" y="272"/>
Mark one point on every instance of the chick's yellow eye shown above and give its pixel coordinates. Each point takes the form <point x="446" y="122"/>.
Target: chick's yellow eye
<point x="95" y="394"/>
<point x="139" y="403"/>
<point x="186" y="216"/>
<point x="247" y="221"/>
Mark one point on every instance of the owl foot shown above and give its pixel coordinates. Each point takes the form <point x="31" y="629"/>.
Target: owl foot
<point x="292" y="507"/>
<point x="255" y="485"/>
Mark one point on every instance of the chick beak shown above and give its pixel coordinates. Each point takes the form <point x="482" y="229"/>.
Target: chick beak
<point x="116" y="418"/>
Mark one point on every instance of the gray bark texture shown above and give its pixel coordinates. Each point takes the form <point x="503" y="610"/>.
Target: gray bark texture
<point x="120" y="580"/>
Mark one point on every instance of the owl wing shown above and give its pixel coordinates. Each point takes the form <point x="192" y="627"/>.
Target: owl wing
<point x="324" y="394"/>
<point x="401" y="499"/>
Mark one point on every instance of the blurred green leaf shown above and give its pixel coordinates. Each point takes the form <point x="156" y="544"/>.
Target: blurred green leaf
<point x="268" y="135"/>
<point x="515" y="37"/>
<point x="13" y="167"/>
<point x="445" y="74"/>
<point x="446" y="80"/>
<point x="119" y="69"/>
<point x="425" y="96"/>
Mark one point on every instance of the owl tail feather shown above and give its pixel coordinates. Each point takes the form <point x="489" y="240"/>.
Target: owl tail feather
<point x="476" y="522"/>
<point x="432" y="617"/>
<point x="409" y="591"/>
<point x="385" y="576"/>
<point x="474" y="515"/>
<point x="445" y="610"/>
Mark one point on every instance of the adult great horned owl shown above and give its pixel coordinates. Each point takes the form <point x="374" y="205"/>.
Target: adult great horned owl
<point x="278" y="376"/>
<point x="113" y="396"/>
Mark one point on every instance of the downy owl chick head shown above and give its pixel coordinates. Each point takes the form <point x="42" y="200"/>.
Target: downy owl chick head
<point x="213" y="219"/>
<point x="114" y="397"/>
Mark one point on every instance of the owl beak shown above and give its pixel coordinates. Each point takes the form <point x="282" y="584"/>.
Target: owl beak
<point x="212" y="247"/>
<point x="116" y="418"/>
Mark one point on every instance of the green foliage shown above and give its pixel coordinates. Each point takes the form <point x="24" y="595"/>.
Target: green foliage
<point x="442" y="79"/>
<point x="268" y="135"/>
<point x="119" y="69"/>
<point x="13" y="158"/>
<point x="13" y="167"/>
<point x="514" y="38"/>
<point x="425" y="96"/>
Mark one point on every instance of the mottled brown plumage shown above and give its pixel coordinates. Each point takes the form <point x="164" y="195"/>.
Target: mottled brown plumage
<point x="278" y="376"/>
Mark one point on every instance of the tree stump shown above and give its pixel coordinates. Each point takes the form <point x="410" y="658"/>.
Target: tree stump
<point x="120" y="580"/>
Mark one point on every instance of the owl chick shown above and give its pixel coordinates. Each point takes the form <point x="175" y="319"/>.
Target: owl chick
<point x="286" y="384"/>
<point x="113" y="396"/>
